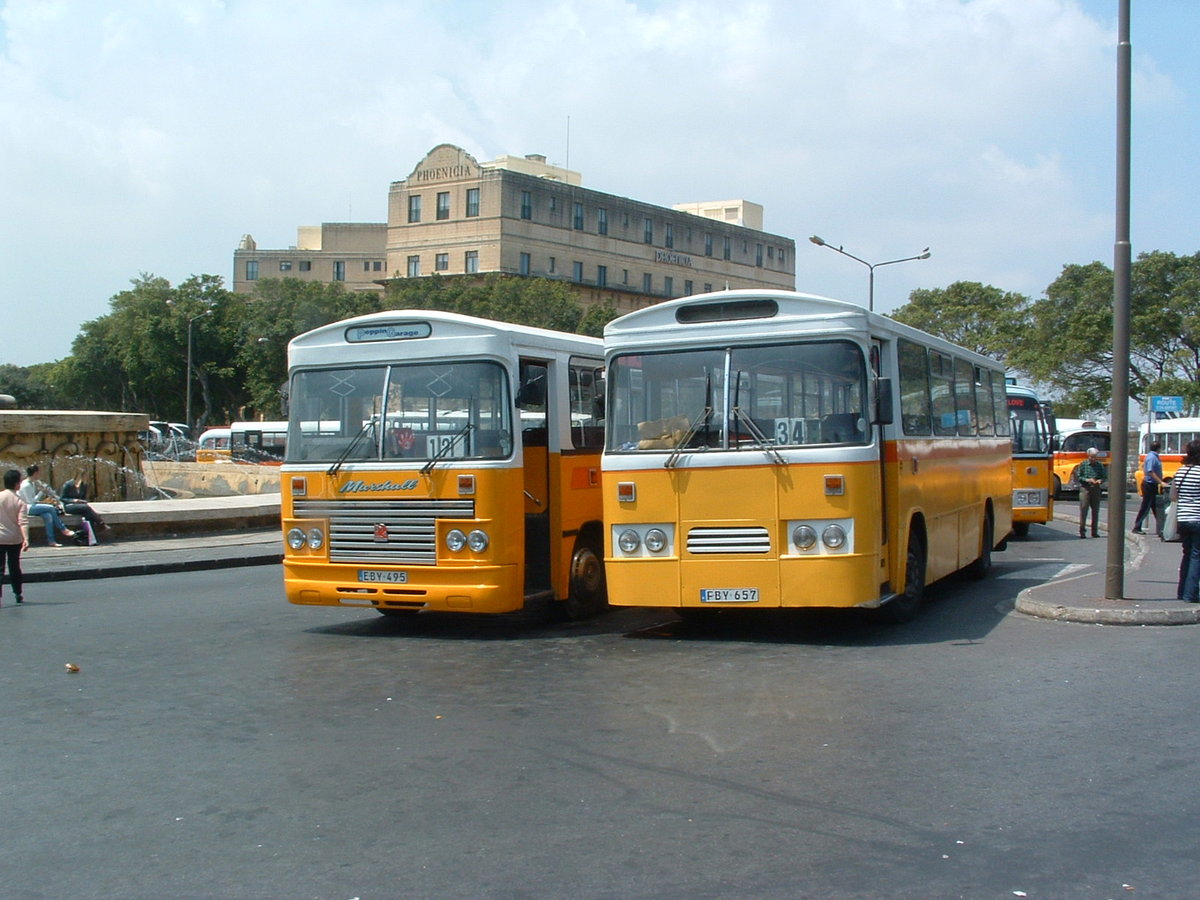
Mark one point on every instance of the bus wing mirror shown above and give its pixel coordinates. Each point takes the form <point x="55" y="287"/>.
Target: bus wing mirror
<point x="884" y="413"/>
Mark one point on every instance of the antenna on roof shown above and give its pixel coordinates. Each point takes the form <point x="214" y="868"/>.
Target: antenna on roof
<point x="568" y="164"/>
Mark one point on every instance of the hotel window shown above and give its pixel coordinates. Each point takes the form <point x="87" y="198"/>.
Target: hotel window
<point x="781" y="252"/>
<point x="668" y="286"/>
<point x="648" y="231"/>
<point x="708" y="287"/>
<point x="441" y="262"/>
<point x="472" y="202"/>
<point x="414" y="208"/>
<point x="471" y="262"/>
<point x="647" y="283"/>
<point x="708" y="243"/>
<point x="688" y="289"/>
<point x="758" y="259"/>
<point x="306" y="265"/>
<point x="524" y="266"/>
<point x="414" y="266"/>
<point x="669" y="237"/>
<point x="252" y="270"/>
<point x="770" y="253"/>
<point x="728" y="247"/>
<point x="285" y="265"/>
<point x="577" y="218"/>
<point x="553" y="205"/>
<point x="366" y="265"/>
<point x="577" y="272"/>
<point x="339" y="270"/>
<point x="443" y="205"/>
<point x="602" y="221"/>
<point x="624" y="276"/>
<point x="602" y="275"/>
<point x="551" y="269"/>
<point x="526" y="205"/>
<point x="377" y="266"/>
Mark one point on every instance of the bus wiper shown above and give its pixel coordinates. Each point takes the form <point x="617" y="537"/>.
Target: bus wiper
<point x="751" y="426"/>
<point x="703" y="419"/>
<point x="345" y="455"/>
<point x="446" y="448"/>
<point x="760" y="440"/>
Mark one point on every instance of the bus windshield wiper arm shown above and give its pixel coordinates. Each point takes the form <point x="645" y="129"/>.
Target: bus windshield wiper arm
<point x="345" y="455"/>
<point x="446" y="448"/>
<point x="760" y="439"/>
<point x="677" y="451"/>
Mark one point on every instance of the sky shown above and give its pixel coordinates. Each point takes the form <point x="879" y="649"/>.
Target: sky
<point x="148" y="136"/>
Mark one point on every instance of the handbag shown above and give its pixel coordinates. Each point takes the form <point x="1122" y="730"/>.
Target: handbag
<point x="1170" y="530"/>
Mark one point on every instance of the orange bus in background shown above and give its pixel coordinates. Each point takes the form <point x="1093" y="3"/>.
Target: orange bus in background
<point x="1072" y="440"/>
<point x="443" y="462"/>
<point x="1032" y="423"/>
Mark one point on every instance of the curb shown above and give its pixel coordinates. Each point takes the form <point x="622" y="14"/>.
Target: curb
<point x="124" y="570"/>
<point x="1100" y="615"/>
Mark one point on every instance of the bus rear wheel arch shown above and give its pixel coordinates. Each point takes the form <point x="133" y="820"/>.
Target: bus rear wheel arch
<point x="587" y="593"/>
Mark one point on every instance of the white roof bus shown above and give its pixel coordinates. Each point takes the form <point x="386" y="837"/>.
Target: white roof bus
<point x="1032" y="424"/>
<point x="768" y="449"/>
<point x="1174" y="435"/>
<point x="443" y="462"/>
<point x="1072" y="440"/>
<point x="261" y="443"/>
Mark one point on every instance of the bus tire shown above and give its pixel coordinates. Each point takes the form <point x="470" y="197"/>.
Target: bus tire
<point x="983" y="564"/>
<point x="1021" y="529"/>
<point x="1058" y="488"/>
<point x="588" y="594"/>
<point x="904" y="606"/>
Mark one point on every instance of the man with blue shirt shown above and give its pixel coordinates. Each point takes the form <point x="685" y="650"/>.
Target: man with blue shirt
<point x="1152" y="484"/>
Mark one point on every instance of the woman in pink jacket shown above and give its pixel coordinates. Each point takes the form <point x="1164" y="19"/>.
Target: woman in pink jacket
<point x="14" y="532"/>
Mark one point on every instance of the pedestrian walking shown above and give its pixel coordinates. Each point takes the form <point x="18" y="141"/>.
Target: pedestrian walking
<point x="1152" y="485"/>
<point x="14" y="533"/>
<point x="1185" y="494"/>
<point x="43" y="502"/>
<point x="1091" y="476"/>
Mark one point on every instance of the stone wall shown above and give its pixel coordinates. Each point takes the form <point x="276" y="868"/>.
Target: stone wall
<point x="221" y="479"/>
<point x="101" y="447"/>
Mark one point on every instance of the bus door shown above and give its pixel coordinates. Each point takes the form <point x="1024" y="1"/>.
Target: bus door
<point x="882" y="416"/>
<point x="532" y="399"/>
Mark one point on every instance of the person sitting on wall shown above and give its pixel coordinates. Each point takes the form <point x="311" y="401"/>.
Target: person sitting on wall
<point x="74" y="499"/>
<point x="43" y="502"/>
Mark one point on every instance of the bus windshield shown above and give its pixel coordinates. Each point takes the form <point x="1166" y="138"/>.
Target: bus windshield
<point x="1029" y="432"/>
<point x="419" y="411"/>
<point x="739" y="398"/>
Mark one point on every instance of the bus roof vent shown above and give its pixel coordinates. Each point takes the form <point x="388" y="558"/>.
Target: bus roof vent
<point x="727" y="310"/>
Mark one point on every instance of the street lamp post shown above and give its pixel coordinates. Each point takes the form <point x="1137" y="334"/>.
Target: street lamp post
<point x="820" y="242"/>
<point x="188" y="392"/>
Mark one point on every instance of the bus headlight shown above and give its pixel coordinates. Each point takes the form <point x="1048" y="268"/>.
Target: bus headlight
<point x="296" y="538"/>
<point x="316" y="539"/>
<point x="804" y="537"/>
<point x="477" y="540"/>
<point x="656" y="540"/>
<point x="629" y="541"/>
<point x="833" y="537"/>
<point x="455" y="540"/>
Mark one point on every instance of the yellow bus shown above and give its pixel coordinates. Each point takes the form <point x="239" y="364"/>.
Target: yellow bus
<point x="443" y="462"/>
<point x="1032" y="425"/>
<point x="1174" y="435"/>
<point x="260" y="443"/>
<point x="769" y="449"/>
<point x="1072" y="439"/>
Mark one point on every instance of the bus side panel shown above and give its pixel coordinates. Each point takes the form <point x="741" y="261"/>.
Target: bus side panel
<point x="947" y="483"/>
<point x="577" y="477"/>
<point x="465" y="582"/>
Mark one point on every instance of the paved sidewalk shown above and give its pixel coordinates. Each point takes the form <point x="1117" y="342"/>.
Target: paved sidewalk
<point x="149" y="555"/>
<point x="1151" y="576"/>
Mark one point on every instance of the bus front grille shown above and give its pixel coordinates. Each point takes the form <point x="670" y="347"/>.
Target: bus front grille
<point x="389" y="532"/>
<point x="752" y="539"/>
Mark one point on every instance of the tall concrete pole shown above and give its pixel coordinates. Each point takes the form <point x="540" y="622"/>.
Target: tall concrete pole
<point x="1114" y="582"/>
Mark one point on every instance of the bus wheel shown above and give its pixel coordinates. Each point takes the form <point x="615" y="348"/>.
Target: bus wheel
<point x="589" y="589"/>
<point x="1021" y="529"/>
<point x="1058" y="491"/>
<point x="981" y="566"/>
<point x="904" y="607"/>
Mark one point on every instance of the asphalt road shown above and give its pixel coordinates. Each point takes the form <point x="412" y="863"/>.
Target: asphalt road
<point x="217" y="742"/>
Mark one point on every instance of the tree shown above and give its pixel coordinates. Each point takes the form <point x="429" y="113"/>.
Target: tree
<point x="973" y="315"/>
<point x="1069" y="346"/>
